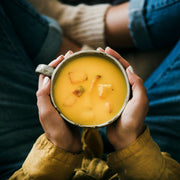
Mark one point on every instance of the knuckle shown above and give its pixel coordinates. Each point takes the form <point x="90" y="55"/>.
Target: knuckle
<point x="40" y="92"/>
<point x="44" y="113"/>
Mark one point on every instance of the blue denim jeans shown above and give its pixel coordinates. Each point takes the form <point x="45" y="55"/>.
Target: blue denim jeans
<point x="163" y="88"/>
<point x="26" y="39"/>
<point x="154" y="24"/>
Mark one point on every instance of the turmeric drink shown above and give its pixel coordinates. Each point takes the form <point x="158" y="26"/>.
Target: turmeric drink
<point x="90" y="90"/>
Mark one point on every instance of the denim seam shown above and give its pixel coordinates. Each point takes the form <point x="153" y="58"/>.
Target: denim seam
<point x="137" y="25"/>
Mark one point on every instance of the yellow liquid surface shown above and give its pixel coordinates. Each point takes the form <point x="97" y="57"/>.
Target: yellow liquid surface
<point x="90" y="90"/>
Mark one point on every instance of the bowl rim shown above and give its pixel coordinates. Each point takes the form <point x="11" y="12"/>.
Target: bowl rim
<point x="88" y="53"/>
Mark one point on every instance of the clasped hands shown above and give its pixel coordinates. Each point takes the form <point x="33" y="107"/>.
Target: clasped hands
<point x="121" y="133"/>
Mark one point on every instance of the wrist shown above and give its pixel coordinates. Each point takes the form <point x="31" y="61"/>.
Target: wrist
<point x="124" y="140"/>
<point x="72" y="146"/>
<point x="123" y="143"/>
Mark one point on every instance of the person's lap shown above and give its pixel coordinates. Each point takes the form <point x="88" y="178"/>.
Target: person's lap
<point x="163" y="88"/>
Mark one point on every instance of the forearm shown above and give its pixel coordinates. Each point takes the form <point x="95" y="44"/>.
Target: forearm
<point x="47" y="161"/>
<point x="117" y="32"/>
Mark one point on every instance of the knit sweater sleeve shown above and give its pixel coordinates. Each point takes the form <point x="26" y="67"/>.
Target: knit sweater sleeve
<point x="84" y="24"/>
<point x="144" y="160"/>
<point x="46" y="161"/>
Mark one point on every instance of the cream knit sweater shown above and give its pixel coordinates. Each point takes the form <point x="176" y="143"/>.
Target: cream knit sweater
<point x="83" y="24"/>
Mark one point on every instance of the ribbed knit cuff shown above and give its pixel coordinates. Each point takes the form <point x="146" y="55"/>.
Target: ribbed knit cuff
<point x="88" y="26"/>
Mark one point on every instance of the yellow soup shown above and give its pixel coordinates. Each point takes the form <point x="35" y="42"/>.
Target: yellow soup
<point x="90" y="90"/>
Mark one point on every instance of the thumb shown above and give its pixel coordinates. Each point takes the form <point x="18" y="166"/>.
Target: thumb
<point x="43" y="100"/>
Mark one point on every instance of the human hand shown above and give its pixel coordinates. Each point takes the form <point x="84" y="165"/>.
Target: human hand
<point x="59" y="132"/>
<point x="130" y="125"/>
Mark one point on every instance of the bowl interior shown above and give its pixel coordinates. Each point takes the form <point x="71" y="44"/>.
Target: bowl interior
<point x="83" y="54"/>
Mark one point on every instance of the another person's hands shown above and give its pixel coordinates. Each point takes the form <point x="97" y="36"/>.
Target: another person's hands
<point x="130" y="125"/>
<point x="59" y="132"/>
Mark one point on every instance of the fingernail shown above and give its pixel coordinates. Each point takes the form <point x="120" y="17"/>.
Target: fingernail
<point x="68" y="53"/>
<point x="100" y="49"/>
<point x="45" y="81"/>
<point x="60" y="57"/>
<point x="107" y="47"/>
<point x="131" y="69"/>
